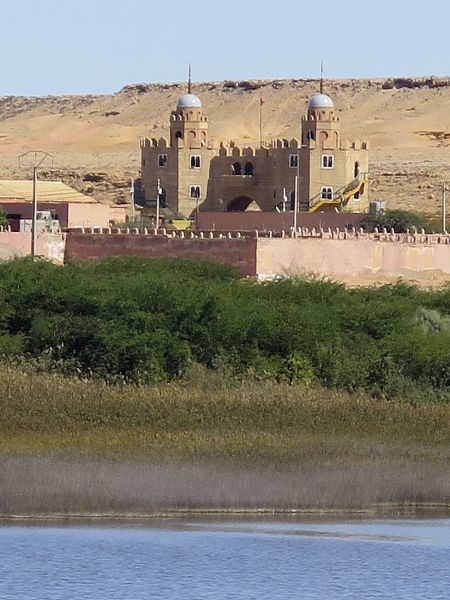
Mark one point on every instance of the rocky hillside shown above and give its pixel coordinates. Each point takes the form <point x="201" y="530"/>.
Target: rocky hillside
<point x="95" y="139"/>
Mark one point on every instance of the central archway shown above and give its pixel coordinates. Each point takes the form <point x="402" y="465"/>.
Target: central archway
<point x="239" y="204"/>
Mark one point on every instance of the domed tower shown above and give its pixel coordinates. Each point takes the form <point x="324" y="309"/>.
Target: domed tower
<point x="321" y="126"/>
<point x="331" y="170"/>
<point x="188" y="124"/>
<point x="179" y="167"/>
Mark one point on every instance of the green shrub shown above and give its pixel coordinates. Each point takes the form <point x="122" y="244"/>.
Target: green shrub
<point x="3" y="218"/>
<point x="143" y="320"/>
<point x="399" y="220"/>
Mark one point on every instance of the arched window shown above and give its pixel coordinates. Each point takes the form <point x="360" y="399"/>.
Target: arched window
<point x="293" y="161"/>
<point x="195" y="161"/>
<point x="248" y="169"/>
<point x="179" y="135"/>
<point x="195" y="191"/>
<point x="237" y="168"/>
<point x="326" y="193"/>
<point x="162" y="160"/>
<point x="311" y="135"/>
<point x="327" y="161"/>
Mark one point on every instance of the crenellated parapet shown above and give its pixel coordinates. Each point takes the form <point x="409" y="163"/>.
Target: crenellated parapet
<point x="188" y="115"/>
<point x="314" y="117"/>
<point x="356" y="145"/>
<point x="160" y="143"/>
<point x="280" y="143"/>
<point x="231" y="150"/>
<point x="411" y="237"/>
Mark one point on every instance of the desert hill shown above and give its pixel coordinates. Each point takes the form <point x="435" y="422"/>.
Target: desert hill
<point x="95" y="139"/>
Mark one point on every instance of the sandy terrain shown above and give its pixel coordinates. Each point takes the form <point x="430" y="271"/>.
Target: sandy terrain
<point x="95" y="139"/>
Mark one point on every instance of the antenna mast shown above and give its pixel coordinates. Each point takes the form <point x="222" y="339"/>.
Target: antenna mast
<point x="321" y="77"/>
<point x="190" y="79"/>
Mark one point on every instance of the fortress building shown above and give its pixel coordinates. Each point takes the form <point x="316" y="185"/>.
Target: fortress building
<point x="194" y="175"/>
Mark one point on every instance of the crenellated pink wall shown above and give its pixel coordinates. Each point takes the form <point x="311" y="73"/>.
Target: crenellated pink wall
<point x="356" y="261"/>
<point x="18" y="245"/>
<point x="355" y="257"/>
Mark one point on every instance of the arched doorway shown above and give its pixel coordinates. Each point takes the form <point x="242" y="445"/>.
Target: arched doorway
<point x="239" y="204"/>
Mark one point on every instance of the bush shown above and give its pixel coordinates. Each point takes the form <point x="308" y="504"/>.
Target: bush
<point x="3" y="218"/>
<point x="150" y="320"/>
<point x="398" y="220"/>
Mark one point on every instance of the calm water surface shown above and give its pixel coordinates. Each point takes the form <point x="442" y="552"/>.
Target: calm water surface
<point x="395" y="559"/>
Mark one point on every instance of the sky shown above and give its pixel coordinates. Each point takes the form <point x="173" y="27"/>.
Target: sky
<point x="52" y="47"/>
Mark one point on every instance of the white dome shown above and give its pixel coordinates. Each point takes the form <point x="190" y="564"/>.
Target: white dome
<point x="321" y="101"/>
<point x="189" y="101"/>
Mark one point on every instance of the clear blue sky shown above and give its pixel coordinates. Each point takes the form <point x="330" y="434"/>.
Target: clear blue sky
<point x="94" y="46"/>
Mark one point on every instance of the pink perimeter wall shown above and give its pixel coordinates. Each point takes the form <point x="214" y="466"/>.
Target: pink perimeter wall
<point x="18" y="245"/>
<point x="355" y="261"/>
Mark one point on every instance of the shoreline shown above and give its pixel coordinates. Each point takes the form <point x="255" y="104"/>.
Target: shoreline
<point x="412" y="510"/>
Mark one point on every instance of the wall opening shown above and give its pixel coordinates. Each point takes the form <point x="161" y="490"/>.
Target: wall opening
<point x="248" y="169"/>
<point x="356" y="173"/>
<point x="237" y="168"/>
<point x="323" y="137"/>
<point x="239" y="204"/>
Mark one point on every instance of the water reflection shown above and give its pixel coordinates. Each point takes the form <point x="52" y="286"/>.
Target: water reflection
<point x="228" y="559"/>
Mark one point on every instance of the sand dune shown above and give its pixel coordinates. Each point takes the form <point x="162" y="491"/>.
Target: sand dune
<point x="95" y="139"/>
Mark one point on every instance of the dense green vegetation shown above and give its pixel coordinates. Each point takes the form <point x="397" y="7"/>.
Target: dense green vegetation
<point x="400" y="220"/>
<point x="204" y="416"/>
<point x="3" y="218"/>
<point x="155" y="320"/>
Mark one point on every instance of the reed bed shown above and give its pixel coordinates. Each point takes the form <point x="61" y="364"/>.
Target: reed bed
<point x="49" y="406"/>
<point x="70" y="446"/>
<point x="49" y="485"/>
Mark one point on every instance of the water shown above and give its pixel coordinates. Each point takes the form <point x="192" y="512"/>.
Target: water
<point x="376" y="559"/>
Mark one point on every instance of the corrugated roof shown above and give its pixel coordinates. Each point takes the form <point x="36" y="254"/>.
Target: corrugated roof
<point x="47" y="191"/>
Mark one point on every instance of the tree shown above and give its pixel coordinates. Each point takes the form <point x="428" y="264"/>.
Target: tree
<point x="3" y="218"/>
<point x="398" y="220"/>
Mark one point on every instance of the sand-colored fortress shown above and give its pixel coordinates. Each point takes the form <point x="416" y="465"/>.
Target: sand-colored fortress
<point x="194" y="174"/>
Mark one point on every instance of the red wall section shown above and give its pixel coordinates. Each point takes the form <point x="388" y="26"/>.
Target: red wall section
<point x="239" y="253"/>
<point x="273" y="221"/>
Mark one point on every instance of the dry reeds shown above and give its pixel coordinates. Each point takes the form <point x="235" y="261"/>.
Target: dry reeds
<point x="69" y="446"/>
<point x="49" y="485"/>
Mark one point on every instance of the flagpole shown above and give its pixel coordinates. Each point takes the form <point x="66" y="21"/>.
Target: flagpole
<point x="261" y="102"/>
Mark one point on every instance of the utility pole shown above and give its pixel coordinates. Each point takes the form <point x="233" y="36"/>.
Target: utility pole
<point x="37" y="158"/>
<point x="158" y="192"/>
<point x="132" y="211"/>
<point x="261" y="105"/>
<point x="444" y="210"/>
<point x="295" y="203"/>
